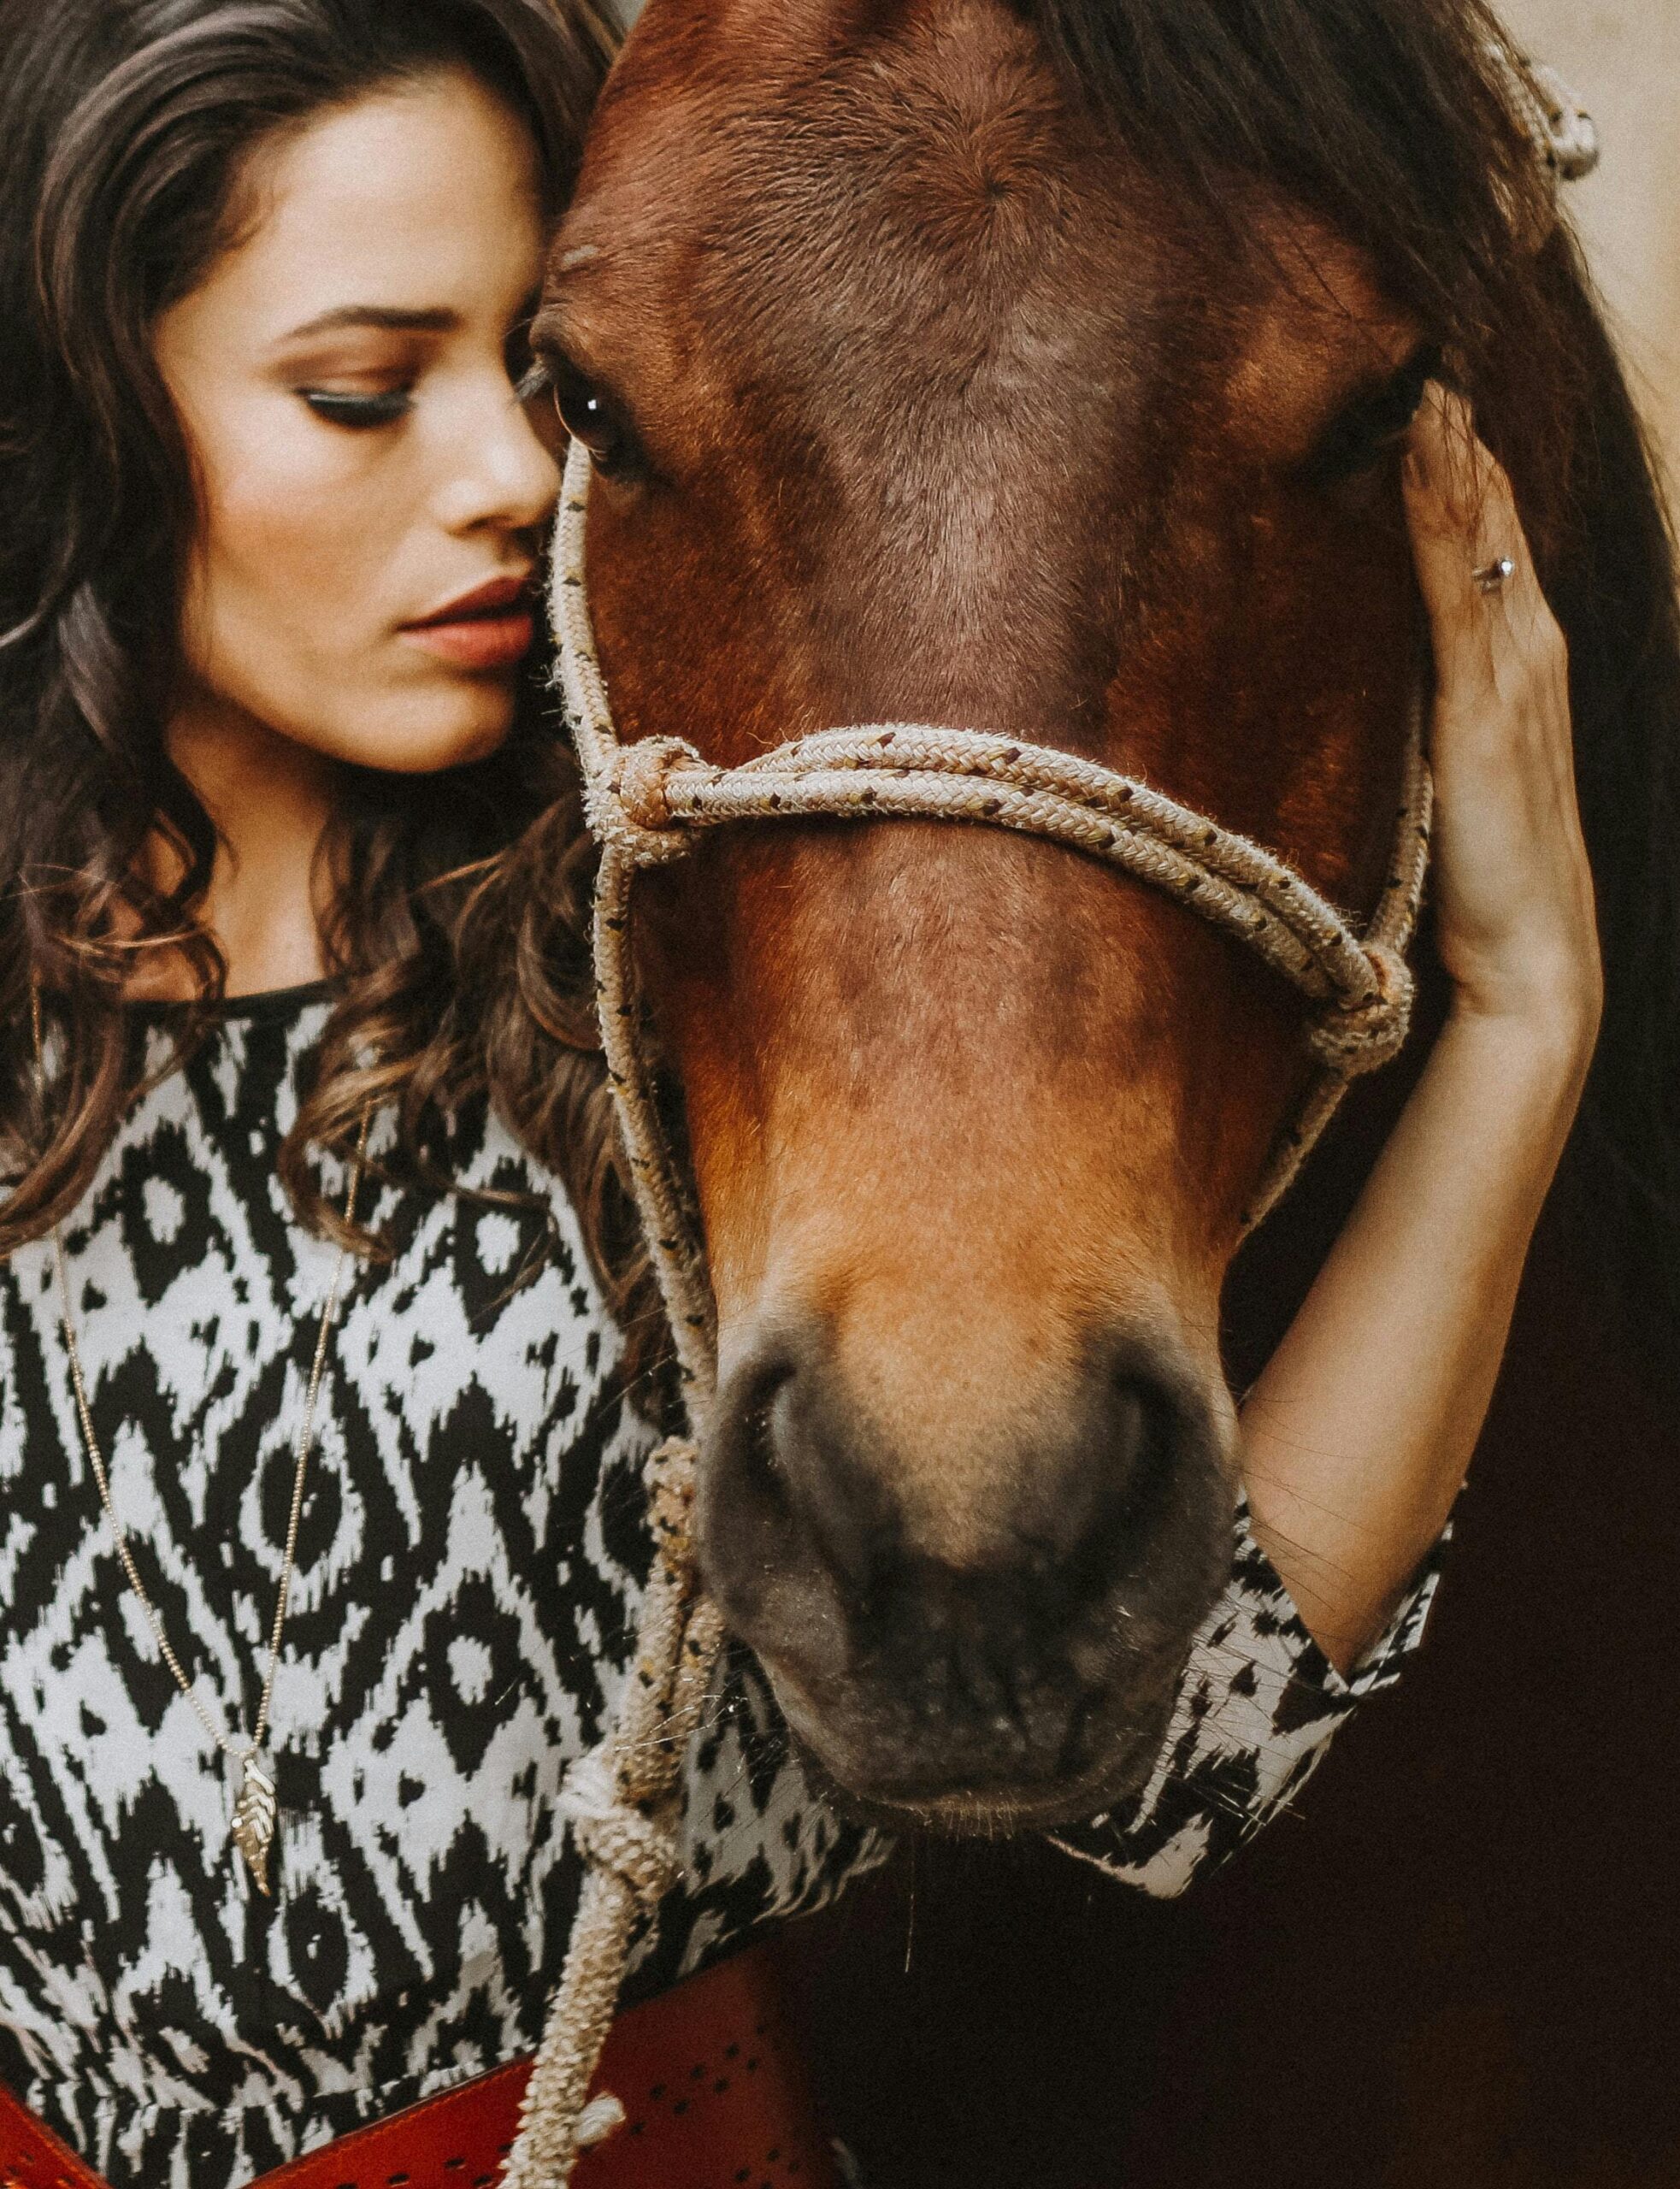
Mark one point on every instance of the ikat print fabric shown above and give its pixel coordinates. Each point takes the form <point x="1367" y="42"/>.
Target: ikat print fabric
<point x="471" y="1564"/>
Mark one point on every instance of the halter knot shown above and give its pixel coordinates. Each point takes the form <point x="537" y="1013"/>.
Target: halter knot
<point x="631" y="808"/>
<point x="616" y="1835"/>
<point x="1360" y="1037"/>
<point x="616" y="1797"/>
<point x="1565" y="134"/>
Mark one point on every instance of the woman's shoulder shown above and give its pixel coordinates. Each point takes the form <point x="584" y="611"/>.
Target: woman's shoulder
<point x="474" y="1232"/>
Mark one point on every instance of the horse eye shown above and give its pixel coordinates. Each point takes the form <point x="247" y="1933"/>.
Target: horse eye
<point x="591" y="417"/>
<point x="1363" y="435"/>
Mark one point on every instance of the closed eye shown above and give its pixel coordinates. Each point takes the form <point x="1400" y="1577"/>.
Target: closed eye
<point x="1374" y="422"/>
<point x="361" y="413"/>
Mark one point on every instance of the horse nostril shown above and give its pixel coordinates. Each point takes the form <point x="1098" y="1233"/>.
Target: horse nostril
<point x="748" y="1528"/>
<point x="1091" y="1506"/>
<point x="1146" y="1433"/>
<point x="761" y="1468"/>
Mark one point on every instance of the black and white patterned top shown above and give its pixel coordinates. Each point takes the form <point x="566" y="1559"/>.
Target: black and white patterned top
<point x="468" y="1571"/>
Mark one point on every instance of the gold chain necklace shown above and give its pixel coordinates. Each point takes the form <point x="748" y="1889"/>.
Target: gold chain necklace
<point x="256" y="1805"/>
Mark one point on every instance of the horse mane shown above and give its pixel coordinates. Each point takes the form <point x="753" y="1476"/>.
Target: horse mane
<point x="1387" y="118"/>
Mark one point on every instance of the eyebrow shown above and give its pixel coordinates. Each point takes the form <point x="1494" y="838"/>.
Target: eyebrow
<point x="396" y="319"/>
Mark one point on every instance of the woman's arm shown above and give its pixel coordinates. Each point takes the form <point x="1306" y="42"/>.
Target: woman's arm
<point x="1356" y="1438"/>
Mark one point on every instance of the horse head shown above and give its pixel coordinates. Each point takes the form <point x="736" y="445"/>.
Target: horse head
<point x="914" y="392"/>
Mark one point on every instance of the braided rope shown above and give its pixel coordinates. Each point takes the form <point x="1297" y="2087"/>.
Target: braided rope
<point x="654" y="792"/>
<point x="1562" y="133"/>
<point x="1549" y="114"/>
<point x="623" y="1803"/>
<point x="647" y="803"/>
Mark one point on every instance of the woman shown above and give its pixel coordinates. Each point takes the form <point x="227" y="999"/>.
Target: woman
<point x="319" y="1304"/>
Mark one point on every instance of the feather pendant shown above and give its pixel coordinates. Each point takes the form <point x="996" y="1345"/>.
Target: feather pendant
<point x="255" y="1812"/>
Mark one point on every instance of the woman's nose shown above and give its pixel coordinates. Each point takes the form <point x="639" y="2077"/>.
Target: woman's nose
<point x="503" y="474"/>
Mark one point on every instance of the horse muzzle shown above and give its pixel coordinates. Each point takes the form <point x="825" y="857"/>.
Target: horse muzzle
<point x="1006" y="1654"/>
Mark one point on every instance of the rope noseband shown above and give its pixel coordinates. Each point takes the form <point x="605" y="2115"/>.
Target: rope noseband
<point x="648" y="805"/>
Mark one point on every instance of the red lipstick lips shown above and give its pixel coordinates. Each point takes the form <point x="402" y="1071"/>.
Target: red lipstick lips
<point x="490" y="628"/>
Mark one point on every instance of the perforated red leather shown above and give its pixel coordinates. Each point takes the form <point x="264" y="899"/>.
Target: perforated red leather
<point x="713" y="2093"/>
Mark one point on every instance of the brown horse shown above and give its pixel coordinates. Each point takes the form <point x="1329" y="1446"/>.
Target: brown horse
<point x="1036" y="366"/>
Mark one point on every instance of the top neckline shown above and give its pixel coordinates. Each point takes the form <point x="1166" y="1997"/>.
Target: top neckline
<point x="264" y="1005"/>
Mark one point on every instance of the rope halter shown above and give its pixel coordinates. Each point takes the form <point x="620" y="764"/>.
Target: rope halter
<point x="1561" y="133"/>
<point x="650" y="799"/>
<point x="647" y="804"/>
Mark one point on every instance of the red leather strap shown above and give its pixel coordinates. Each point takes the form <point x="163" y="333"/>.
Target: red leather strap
<point x="31" y="2156"/>
<point x="712" y="2092"/>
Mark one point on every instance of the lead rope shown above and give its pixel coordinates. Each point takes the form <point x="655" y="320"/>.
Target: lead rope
<point x="646" y="805"/>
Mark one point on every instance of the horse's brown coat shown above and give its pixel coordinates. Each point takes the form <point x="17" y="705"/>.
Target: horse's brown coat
<point x="951" y="412"/>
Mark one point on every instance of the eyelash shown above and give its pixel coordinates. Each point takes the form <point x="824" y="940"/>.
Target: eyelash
<point x="365" y="413"/>
<point x="359" y="413"/>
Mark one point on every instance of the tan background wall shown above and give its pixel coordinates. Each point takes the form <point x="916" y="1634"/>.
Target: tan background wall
<point x="1623" y="57"/>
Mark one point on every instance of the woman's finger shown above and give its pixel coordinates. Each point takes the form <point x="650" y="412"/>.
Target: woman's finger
<point x="1488" y="617"/>
<point x="1464" y="526"/>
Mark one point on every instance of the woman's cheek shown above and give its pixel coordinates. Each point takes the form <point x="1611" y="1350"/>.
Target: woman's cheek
<point x="316" y="549"/>
<point x="312" y="520"/>
<point x="292" y="612"/>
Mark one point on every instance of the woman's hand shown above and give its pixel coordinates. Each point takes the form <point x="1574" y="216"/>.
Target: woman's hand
<point x="1356" y="1438"/>
<point x="1513" y="893"/>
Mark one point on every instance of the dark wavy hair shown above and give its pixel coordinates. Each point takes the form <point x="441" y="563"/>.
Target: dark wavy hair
<point x="458" y="932"/>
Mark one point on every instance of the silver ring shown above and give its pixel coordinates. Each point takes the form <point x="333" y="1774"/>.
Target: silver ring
<point x="1493" y="576"/>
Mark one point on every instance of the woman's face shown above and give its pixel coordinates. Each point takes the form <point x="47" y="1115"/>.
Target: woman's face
<point x="372" y="490"/>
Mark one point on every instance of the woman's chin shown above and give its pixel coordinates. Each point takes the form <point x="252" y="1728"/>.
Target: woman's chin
<point x="412" y="747"/>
